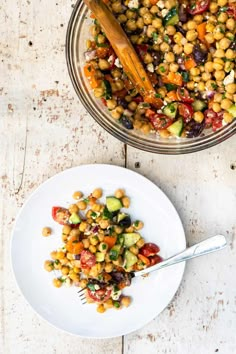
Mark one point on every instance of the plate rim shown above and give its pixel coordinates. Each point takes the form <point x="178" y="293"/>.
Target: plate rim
<point x="41" y="185"/>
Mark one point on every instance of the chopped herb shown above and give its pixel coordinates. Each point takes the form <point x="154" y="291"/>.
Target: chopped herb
<point x="143" y="78"/>
<point x="111" y="230"/>
<point x="62" y="279"/>
<point x="223" y="9"/>
<point x="166" y="38"/>
<point x="136" y="223"/>
<point x="104" y="246"/>
<point x="116" y="289"/>
<point x="89" y="68"/>
<point x="93" y="215"/>
<point x="157" y="95"/>
<point x="113" y="254"/>
<point x="231" y="38"/>
<point x="170" y="87"/>
<point x="75" y="241"/>
<point x="105" y="45"/>
<point x="172" y="108"/>
<point x="96" y="21"/>
<point x="223" y="96"/>
<point x="214" y="86"/>
<point x="185" y="76"/>
<point x="162" y="69"/>
<point x="116" y="304"/>
<point x="86" y="200"/>
<point x="100" y="277"/>
<point x="145" y="104"/>
<point x="222" y="30"/>
<point x="154" y="36"/>
<point x="57" y="261"/>
<point x="91" y="287"/>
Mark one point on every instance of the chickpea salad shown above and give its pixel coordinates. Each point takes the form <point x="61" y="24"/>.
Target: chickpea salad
<point x="188" y="49"/>
<point x="101" y="248"/>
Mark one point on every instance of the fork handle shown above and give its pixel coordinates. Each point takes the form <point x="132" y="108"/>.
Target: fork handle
<point x="209" y="245"/>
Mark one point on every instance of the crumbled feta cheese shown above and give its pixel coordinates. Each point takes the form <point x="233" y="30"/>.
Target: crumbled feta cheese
<point x="117" y="63"/>
<point x="110" y="59"/>
<point x="224" y="122"/>
<point x="68" y="282"/>
<point x="133" y="4"/>
<point x="229" y="79"/>
<point x="164" y="12"/>
<point x="161" y="4"/>
<point x="96" y="287"/>
<point x="150" y="68"/>
<point x="184" y="41"/>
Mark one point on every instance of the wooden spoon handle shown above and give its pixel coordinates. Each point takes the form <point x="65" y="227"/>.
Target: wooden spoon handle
<point x="123" y="49"/>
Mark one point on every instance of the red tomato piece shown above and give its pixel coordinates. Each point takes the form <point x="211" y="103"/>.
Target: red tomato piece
<point x="216" y="124"/>
<point x="155" y="259"/>
<point x="60" y="215"/>
<point x="141" y="49"/>
<point x="186" y="111"/>
<point x="137" y="99"/>
<point x="183" y="95"/>
<point x="232" y="10"/>
<point x="149" y="249"/>
<point x="104" y="101"/>
<point x="198" y="7"/>
<point x="209" y="115"/>
<point x="101" y="295"/>
<point x="160" y="121"/>
<point x="87" y="259"/>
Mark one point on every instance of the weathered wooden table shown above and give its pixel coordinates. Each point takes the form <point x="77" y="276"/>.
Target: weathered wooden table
<point x="44" y="130"/>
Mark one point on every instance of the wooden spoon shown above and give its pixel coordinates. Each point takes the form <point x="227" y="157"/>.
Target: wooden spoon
<point x="124" y="51"/>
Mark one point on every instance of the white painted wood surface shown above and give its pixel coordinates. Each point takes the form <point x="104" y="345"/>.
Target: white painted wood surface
<point x="44" y="129"/>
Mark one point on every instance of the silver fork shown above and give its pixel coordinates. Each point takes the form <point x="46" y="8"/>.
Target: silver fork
<point x="209" y="245"/>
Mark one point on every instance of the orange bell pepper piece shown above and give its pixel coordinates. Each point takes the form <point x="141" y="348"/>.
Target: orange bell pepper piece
<point x="110" y="241"/>
<point x="172" y="96"/>
<point x="201" y="30"/>
<point x="92" y="15"/>
<point x="153" y="2"/>
<point x="173" y="78"/>
<point x="144" y="259"/>
<point x="89" y="72"/>
<point x="189" y="63"/>
<point x="74" y="246"/>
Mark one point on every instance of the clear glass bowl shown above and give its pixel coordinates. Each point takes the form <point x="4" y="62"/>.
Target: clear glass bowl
<point x="77" y="33"/>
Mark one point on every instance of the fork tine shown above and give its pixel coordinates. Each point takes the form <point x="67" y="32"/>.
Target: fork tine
<point x="81" y="290"/>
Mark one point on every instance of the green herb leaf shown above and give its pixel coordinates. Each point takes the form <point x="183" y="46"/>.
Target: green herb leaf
<point x="91" y="287"/>
<point x="166" y="38"/>
<point x="57" y="262"/>
<point x="185" y="76"/>
<point x="93" y="215"/>
<point x="154" y="36"/>
<point x="86" y="200"/>
<point x="113" y="254"/>
<point x="136" y="223"/>
<point x="162" y="69"/>
<point x="116" y="304"/>
<point x="104" y="246"/>
<point x="214" y="86"/>
<point x="157" y="95"/>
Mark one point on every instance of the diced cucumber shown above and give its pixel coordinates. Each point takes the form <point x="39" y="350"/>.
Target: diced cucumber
<point x="121" y="240"/>
<point x="130" y="259"/>
<point x="121" y="216"/>
<point x="199" y="105"/>
<point x="232" y="110"/>
<point x="170" y="110"/>
<point x="114" y="252"/>
<point x="123" y="220"/>
<point x="113" y="204"/>
<point x="74" y="218"/>
<point x="100" y="256"/>
<point x="107" y="89"/>
<point x="131" y="238"/>
<point x="171" y="18"/>
<point x="177" y="127"/>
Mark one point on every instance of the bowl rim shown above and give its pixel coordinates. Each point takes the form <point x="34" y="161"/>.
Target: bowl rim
<point x="180" y="146"/>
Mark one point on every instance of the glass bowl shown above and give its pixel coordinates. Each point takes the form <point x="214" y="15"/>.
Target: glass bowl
<point x="77" y="33"/>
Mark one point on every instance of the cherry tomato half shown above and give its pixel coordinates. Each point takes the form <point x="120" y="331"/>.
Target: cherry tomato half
<point x="209" y="115"/>
<point x="183" y="95"/>
<point x="198" y="7"/>
<point x="232" y="10"/>
<point x="186" y="111"/>
<point x="155" y="259"/>
<point x="141" y="49"/>
<point x="100" y="295"/>
<point x="149" y="249"/>
<point x="60" y="215"/>
<point x="87" y="259"/>
<point x="158" y="120"/>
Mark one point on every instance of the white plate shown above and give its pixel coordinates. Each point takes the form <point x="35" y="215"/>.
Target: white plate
<point x="62" y="307"/>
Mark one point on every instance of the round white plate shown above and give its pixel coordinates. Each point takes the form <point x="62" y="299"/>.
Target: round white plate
<point x="62" y="307"/>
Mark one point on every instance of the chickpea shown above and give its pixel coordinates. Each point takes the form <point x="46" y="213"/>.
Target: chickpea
<point x="46" y="231"/>
<point x="191" y="35"/>
<point x="117" y="7"/>
<point x="150" y="31"/>
<point x="65" y="270"/>
<point x="170" y="30"/>
<point x="164" y="47"/>
<point x="198" y="116"/>
<point x="140" y="242"/>
<point x="122" y="18"/>
<point x="108" y="304"/>
<point x="164" y="133"/>
<point x="217" y="97"/>
<point x="94" y="30"/>
<point x="195" y="71"/>
<point x="230" y="24"/>
<point x="231" y="88"/>
<point x="191" y="85"/>
<point x="174" y="67"/>
<point x="230" y="54"/>
<point x="198" y="19"/>
<point x="119" y="193"/>
<point x="125" y="301"/>
<point x="125" y="202"/>
<point x="104" y="224"/>
<point x="216" y="107"/>
<point x="57" y="282"/>
<point x="148" y="58"/>
<point x="223" y="17"/>
<point x="92" y="249"/>
<point x="145" y="129"/>
<point x="101" y="308"/>
<point x="157" y="23"/>
<point x="170" y="57"/>
<point x="222" y="2"/>
<point x="178" y="38"/>
<point x="226" y="103"/>
<point x="75" y="232"/>
<point x="69" y="256"/>
<point x="53" y="254"/>
<point x="228" y="66"/>
<point x="228" y="118"/>
<point x="201" y="86"/>
<point x="188" y="48"/>
<point x="111" y="104"/>
<point x="213" y="7"/>
<point x="82" y="205"/>
<point x="210" y="27"/>
<point x="147" y="18"/>
<point x="177" y="49"/>
<point x="191" y="25"/>
<point x="206" y="76"/>
<point x="224" y="43"/>
<point x="219" y="53"/>
<point x="209" y="38"/>
<point x="98" y="92"/>
<point x="109" y="267"/>
<point x="86" y="243"/>
<point x="131" y="14"/>
<point x="134" y="249"/>
<point x="48" y="266"/>
<point x="219" y="75"/>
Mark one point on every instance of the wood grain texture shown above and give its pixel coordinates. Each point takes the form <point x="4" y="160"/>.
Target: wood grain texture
<point x="44" y="130"/>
